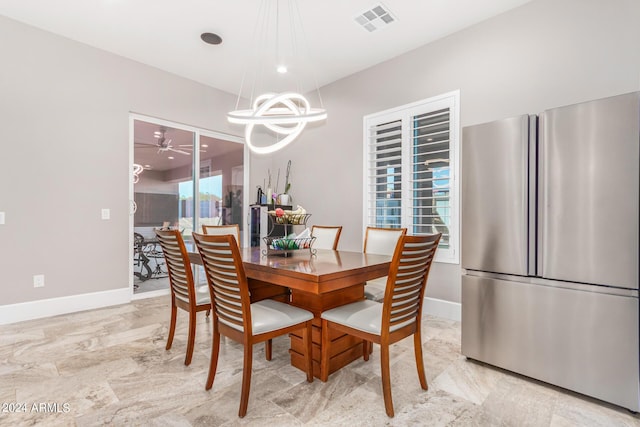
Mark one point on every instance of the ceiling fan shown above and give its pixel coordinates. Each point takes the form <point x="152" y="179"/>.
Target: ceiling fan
<point x="163" y="143"/>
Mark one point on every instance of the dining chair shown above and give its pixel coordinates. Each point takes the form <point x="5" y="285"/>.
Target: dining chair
<point x="326" y="236"/>
<point x="380" y="241"/>
<point x="397" y="317"/>
<point x="235" y="317"/>
<point x="218" y="230"/>
<point x="234" y="229"/>
<point x="184" y="293"/>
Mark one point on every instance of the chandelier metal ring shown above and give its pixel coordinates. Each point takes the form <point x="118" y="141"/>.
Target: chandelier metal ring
<point x="274" y="110"/>
<point x="137" y="170"/>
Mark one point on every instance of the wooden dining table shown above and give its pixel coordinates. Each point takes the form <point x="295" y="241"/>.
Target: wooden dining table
<point x="315" y="282"/>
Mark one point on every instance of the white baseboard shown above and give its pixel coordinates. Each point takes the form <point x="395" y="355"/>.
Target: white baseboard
<point x="52" y="307"/>
<point x="441" y="308"/>
<point x="13" y="313"/>
<point x="150" y="294"/>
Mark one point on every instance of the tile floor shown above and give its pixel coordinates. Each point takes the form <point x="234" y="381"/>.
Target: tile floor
<point x="154" y="284"/>
<point x="109" y="367"/>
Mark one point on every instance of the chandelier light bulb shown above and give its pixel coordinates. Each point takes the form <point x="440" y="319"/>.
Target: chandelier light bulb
<point x="282" y="69"/>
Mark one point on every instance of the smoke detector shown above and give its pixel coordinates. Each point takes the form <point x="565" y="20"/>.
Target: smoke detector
<point x="375" y="18"/>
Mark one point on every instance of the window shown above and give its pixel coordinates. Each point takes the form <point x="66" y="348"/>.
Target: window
<point x="411" y="170"/>
<point x="210" y="200"/>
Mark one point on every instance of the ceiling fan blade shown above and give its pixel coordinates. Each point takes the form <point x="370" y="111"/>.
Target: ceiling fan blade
<point x="190" y="149"/>
<point x="179" y="151"/>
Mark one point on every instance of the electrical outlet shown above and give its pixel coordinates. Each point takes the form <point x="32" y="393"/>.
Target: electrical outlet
<point x="38" y="280"/>
<point x="106" y="213"/>
<point x="1" y="218"/>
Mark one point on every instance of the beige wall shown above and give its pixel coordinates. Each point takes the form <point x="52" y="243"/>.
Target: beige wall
<point x="65" y="156"/>
<point x="544" y="54"/>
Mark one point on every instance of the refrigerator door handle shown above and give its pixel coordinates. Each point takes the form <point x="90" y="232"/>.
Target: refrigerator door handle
<point x="541" y="195"/>
<point x="532" y="195"/>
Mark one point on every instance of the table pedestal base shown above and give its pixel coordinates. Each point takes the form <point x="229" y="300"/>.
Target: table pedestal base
<point x="344" y="348"/>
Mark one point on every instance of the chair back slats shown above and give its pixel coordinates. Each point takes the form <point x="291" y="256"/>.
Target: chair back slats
<point x="407" y="280"/>
<point x="178" y="266"/>
<point x="227" y="283"/>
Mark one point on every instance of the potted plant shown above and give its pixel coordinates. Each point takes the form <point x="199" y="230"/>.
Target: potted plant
<point x="284" y="197"/>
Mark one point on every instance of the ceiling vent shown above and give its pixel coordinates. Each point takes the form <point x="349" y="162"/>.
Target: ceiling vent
<point x="375" y="18"/>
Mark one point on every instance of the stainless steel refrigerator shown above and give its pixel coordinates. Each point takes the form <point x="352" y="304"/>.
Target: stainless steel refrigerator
<point x="550" y="225"/>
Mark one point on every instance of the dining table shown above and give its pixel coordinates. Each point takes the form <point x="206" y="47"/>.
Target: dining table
<point x="315" y="280"/>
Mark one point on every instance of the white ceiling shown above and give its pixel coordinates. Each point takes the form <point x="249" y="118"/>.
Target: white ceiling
<point x="166" y="33"/>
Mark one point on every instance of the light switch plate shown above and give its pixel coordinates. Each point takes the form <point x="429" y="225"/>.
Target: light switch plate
<point x="1" y="218"/>
<point x="38" y="280"/>
<point x="106" y="213"/>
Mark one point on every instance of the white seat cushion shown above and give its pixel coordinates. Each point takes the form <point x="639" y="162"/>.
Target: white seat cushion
<point x="202" y="295"/>
<point x="364" y="315"/>
<point x="375" y="289"/>
<point x="269" y="315"/>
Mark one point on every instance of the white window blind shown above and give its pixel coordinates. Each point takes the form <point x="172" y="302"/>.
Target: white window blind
<point x="411" y="168"/>
<point x="385" y="174"/>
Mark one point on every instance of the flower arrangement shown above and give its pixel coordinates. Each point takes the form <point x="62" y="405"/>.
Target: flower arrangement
<point x="287" y="183"/>
<point x="274" y="197"/>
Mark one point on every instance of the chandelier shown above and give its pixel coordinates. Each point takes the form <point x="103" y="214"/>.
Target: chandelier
<point x="283" y="114"/>
<point x="137" y="170"/>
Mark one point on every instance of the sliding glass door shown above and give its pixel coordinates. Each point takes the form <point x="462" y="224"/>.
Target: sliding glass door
<point x="163" y="161"/>
<point x="183" y="178"/>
